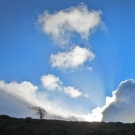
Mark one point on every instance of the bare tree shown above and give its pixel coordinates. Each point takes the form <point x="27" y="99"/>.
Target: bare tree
<point x="39" y="112"/>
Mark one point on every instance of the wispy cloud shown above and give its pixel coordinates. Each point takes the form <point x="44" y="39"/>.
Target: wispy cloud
<point x="61" y="25"/>
<point x="71" y="59"/>
<point x="89" y="68"/>
<point x="51" y="82"/>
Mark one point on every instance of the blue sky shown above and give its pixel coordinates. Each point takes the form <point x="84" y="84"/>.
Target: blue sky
<point x="75" y="63"/>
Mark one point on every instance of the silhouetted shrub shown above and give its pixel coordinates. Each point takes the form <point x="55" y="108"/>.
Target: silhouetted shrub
<point x="5" y="117"/>
<point x="28" y="118"/>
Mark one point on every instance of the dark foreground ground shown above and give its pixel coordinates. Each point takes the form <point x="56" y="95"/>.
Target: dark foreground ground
<point x="29" y="126"/>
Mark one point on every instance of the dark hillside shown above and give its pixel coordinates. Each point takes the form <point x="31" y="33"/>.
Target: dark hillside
<point x="29" y="126"/>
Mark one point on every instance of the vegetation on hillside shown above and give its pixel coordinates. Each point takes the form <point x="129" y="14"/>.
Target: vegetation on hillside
<point x="29" y="126"/>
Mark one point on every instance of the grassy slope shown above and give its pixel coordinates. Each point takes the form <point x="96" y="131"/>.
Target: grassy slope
<point x="29" y="126"/>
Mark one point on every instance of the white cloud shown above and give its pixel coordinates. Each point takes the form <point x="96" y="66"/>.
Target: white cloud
<point x="119" y="107"/>
<point x="74" y="93"/>
<point x="61" y="24"/>
<point x="25" y="91"/>
<point x="51" y="82"/>
<point x="71" y="59"/>
<point x="28" y="94"/>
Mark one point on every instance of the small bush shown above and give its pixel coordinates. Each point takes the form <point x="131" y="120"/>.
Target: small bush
<point x="28" y="118"/>
<point x="5" y="117"/>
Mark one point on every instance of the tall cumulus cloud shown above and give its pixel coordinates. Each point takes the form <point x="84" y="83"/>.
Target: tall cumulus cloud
<point x="121" y="106"/>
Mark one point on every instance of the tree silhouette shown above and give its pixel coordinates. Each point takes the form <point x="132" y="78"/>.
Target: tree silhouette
<point x="39" y="112"/>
